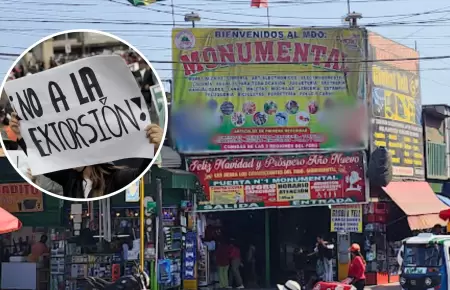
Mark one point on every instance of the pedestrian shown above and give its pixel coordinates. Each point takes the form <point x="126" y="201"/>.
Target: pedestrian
<point x="357" y="268"/>
<point x="223" y="262"/>
<point x="324" y="252"/>
<point x="300" y="260"/>
<point x="39" y="250"/>
<point x="235" y="265"/>
<point x="250" y="267"/>
<point x="437" y="229"/>
<point x="95" y="180"/>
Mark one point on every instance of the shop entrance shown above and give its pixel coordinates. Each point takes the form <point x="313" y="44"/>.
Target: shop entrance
<point x="294" y="228"/>
<point x="247" y="228"/>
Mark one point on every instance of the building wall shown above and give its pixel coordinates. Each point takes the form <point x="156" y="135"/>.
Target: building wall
<point x="436" y="139"/>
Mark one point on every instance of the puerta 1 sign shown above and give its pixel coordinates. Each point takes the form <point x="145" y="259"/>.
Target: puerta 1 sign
<point x="86" y="112"/>
<point x="259" y="90"/>
<point x="249" y="182"/>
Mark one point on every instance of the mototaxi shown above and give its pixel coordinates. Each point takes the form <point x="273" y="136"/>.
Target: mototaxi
<point x="425" y="262"/>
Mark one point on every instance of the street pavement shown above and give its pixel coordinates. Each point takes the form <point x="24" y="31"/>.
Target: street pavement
<point x="391" y="286"/>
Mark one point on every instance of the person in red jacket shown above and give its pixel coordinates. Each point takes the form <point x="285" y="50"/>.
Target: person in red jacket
<point x="357" y="268"/>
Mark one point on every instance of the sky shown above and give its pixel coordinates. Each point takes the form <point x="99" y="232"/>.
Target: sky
<point x="414" y="23"/>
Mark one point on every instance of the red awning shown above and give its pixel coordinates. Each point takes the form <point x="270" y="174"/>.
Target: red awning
<point x="8" y="222"/>
<point x="418" y="201"/>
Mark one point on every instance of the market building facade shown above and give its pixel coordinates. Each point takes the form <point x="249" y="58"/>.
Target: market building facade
<point x="274" y="145"/>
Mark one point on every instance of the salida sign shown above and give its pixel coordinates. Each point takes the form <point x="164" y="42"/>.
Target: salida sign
<point x="251" y="182"/>
<point x="73" y="114"/>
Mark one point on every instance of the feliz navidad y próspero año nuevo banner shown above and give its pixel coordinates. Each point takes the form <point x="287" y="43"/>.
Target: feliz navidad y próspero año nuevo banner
<point x="268" y="89"/>
<point x="248" y="181"/>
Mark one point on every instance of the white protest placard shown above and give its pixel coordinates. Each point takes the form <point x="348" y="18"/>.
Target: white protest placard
<point x="86" y="112"/>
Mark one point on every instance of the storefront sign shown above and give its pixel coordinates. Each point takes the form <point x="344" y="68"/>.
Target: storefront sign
<point x="268" y="90"/>
<point x="252" y="182"/>
<point x="132" y="192"/>
<point x="396" y="106"/>
<point x="164" y="271"/>
<point x="20" y="197"/>
<point x="347" y="218"/>
<point x="190" y="254"/>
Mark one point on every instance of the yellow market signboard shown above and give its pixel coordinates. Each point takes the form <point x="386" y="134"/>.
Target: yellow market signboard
<point x="347" y="218"/>
<point x="268" y="89"/>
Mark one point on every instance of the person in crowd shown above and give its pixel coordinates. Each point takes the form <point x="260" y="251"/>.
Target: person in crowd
<point x="250" y="267"/>
<point x="144" y="77"/>
<point x="95" y="180"/>
<point x="235" y="265"/>
<point x="300" y="262"/>
<point x="223" y="262"/>
<point x="357" y="267"/>
<point x="39" y="250"/>
<point x="437" y="230"/>
<point x="7" y="135"/>
<point x="325" y="254"/>
<point x="46" y="183"/>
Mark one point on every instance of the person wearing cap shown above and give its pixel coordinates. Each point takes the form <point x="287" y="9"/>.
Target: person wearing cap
<point x="99" y="179"/>
<point x="289" y="285"/>
<point x="357" y="267"/>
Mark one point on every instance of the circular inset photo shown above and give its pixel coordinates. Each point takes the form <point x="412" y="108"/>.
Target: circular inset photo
<point x="281" y="118"/>
<point x="259" y="118"/>
<point x="249" y="108"/>
<point x="270" y="107"/>
<point x="227" y="108"/>
<point x="302" y="118"/>
<point x="292" y="107"/>
<point x="238" y="119"/>
<point x="82" y="126"/>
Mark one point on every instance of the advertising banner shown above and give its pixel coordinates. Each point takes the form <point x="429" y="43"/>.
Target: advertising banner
<point x="347" y="218"/>
<point x="268" y="89"/>
<point x="252" y="182"/>
<point x="396" y="106"/>
<point x="20" y="197"/>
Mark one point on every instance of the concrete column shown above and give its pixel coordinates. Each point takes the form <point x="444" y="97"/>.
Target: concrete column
<point x="44" y="51"/>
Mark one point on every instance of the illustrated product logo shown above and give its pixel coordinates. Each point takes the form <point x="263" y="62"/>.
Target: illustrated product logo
<point x="350" y="41"/>
<point x="353" y="180"/>
<point x="185" y="40"/>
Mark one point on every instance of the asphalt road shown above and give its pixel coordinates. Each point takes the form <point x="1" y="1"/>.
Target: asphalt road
<point x="393" y="286"/>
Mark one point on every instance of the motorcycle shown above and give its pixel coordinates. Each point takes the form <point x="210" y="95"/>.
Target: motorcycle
<point x="139" y="280"/>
